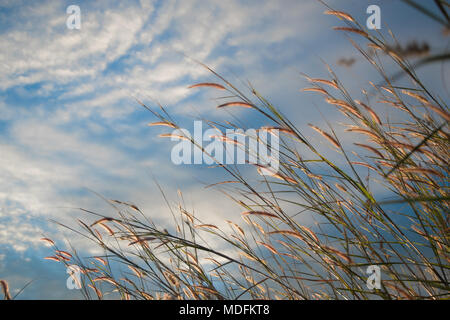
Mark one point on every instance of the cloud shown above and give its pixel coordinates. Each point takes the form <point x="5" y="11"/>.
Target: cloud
<point x="44" y="50"/>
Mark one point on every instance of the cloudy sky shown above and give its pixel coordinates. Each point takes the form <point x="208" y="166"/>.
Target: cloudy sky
<point x="70" y="125"/>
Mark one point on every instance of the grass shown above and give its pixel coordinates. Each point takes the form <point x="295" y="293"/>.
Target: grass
<point x="275" y="256"/>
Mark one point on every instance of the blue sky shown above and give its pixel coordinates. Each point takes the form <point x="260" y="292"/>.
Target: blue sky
<point x="69" y="123"/>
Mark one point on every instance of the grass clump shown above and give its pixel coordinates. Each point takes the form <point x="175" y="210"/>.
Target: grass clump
<point x="276" y="256"/>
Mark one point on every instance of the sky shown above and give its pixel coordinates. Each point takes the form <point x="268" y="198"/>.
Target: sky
<point x="70" y="127"/>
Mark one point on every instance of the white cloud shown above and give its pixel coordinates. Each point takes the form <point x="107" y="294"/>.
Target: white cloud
<point x="44" y="49"/>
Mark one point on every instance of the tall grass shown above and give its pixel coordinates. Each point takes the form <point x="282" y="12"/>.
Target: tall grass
<point x="277" y="256"/>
